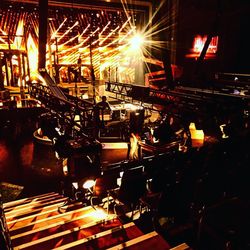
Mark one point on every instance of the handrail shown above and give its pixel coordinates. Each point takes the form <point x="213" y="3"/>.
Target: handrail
<point x="179" y="95"/>
<point x="56" y="91"/>
<point x="64" y="108"/>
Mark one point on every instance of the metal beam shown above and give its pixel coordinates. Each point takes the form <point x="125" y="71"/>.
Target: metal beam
<point x="43" y="17"/>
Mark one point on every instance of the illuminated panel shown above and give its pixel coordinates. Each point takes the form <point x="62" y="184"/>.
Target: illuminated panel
<point x="198" y="44"/>
<point x="115" y="42"/>
<point x="107" y="35"/>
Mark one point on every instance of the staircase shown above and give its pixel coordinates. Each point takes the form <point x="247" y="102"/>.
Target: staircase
<point x="36" y="223"/>
<point x="55" y="90"/>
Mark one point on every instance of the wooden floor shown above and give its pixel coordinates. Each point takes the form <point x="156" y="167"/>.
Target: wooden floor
<point x="36" y="223"/>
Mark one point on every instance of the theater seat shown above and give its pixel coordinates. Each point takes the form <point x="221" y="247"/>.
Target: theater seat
<point x="133" y="187"/>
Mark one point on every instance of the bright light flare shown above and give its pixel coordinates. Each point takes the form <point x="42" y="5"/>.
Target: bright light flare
<point x="150" y="32"/>
<point x="98" y="214"/>
<point x="88" y="184"/>
<point x="60" y="26"/>
<point x="198" y="44"/>
<point x="19" y="34"/>
<point x="33" y="55"/>
<point x="137" y="42"/>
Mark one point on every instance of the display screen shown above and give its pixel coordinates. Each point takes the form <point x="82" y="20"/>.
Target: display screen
<point x="198" y="45"/>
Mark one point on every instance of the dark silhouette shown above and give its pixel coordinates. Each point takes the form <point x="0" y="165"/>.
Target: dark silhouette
<point x="100" y="109"/>
<point x="165" y="133"/>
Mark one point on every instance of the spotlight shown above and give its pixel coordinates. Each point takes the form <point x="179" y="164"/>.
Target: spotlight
<point x="119" y="179"/>
<point x="75" y="185"/>
<point x="88" y="184"/>
<point x="222" y="129"/>
<point x="136" y="42"/>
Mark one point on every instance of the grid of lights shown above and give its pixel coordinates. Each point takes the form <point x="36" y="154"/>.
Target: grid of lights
<point x="72" y="35"/>
<point x="115" y="42"/>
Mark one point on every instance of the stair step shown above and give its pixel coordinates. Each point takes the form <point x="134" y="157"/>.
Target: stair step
<point x="148" y="241"/>
<point x="20" y="201"/>
<point x="18" y="213"/>
<point x="105" y="239"/>
<point x="46" y="238"/>
<point x="56" y="239"/>
<point x="36" y="223"/>
<point x="30" y="203"/>
<point x="59" y="219"/>
<point x="20" y="222"/>
<point x="87" y="225"/>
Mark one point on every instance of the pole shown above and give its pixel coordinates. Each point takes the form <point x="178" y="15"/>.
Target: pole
<point x="43" y="17"/>
<point x="92" y="68"/>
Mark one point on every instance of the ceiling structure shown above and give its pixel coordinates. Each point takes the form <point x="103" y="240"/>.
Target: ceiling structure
<point x="104" y="4"/>
<point x="74" y="28"/>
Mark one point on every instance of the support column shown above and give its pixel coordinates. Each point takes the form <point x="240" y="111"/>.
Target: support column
<point x="1" y="75"/>
<point x="43" y="20"/>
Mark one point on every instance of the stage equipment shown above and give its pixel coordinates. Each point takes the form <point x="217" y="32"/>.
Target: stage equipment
<point x="136" y="121"/>
<point x="232" y="83"/>
<point x="48" y="124"/>
<point x="197" y="136"/>
<point x="85" y="192"/>
<point x="66" y="146"/>
<point x="54" y="89"/>
<point x="83" y="145"/>
<point x="139" y="92"/>
<point x="66" y="109"/>
<point x="42" y="35"/>
<point x="189" y="99"/>
<point x="40" y="138"/>
<point x="88" y="184"/>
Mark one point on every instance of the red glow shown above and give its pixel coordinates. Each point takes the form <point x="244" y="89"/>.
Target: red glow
<point x="3" y="153"/>
<point x="26" y="154"/>
<point x="4" y="158"/>
<point x="198" y="45"/>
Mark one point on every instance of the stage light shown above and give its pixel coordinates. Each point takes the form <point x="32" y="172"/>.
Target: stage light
<point x="98" y="214"/>
<point x="197" y="136"/>
<point x="88" y="184"/>
<point x="119" y="179"/>
<point x="224" y="135"/>
<point x="136" y="42"/>
<point x="75" y="185"/>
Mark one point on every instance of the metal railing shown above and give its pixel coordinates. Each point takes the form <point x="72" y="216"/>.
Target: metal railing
<point x="181" y="97"/>
<point x="74" y="111"/>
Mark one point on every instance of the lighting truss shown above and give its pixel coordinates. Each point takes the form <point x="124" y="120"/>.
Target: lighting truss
<point x="185" y="98"/>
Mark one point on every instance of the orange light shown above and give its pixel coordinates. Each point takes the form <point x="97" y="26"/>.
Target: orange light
<point x="98" y="214"/>
<point x="197" y="136"/>
<point x="33" y="55"/>
<point x="198" y="45"/>
<point x="19" y="34"/>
